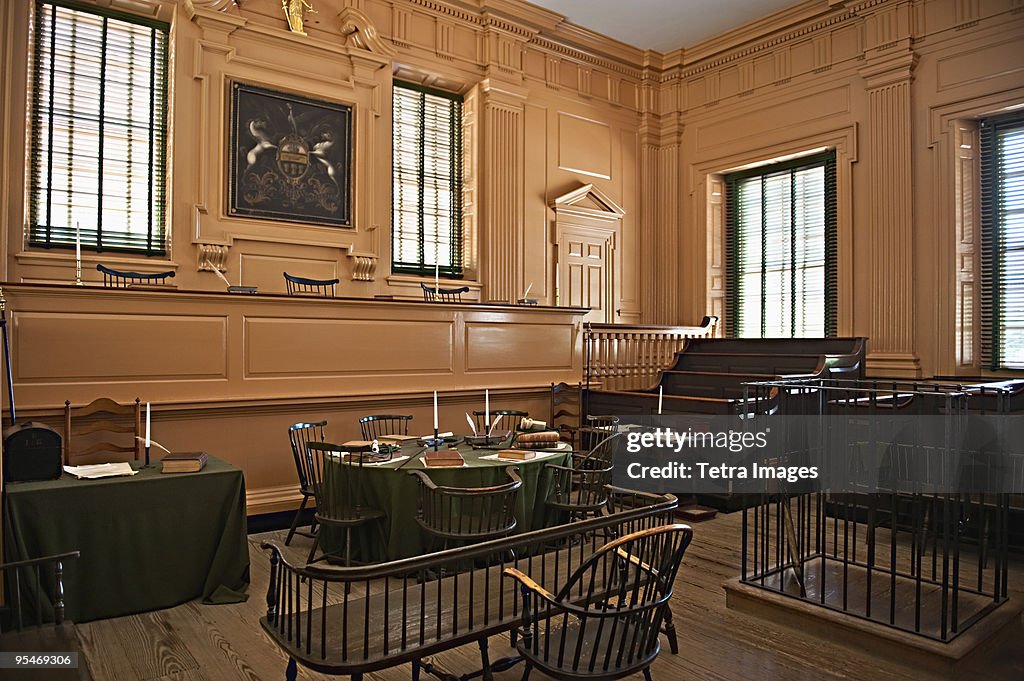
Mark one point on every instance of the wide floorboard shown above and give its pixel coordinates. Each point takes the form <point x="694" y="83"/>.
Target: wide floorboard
<point x="195" y="642"/>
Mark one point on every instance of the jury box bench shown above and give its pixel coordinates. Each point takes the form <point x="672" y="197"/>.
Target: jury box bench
<point x="354" y="620"/>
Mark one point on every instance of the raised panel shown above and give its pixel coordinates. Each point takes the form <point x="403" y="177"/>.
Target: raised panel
<point x="575" y="281"/>
<point x="340" y="347"/>
<point x="584" y="146"/>
<point x="500" y="346"/>
<point x="63" y="346"/>
<point x="595" y="287"/>
<point x="267" y="272"/>
<point x="979" y="64"/>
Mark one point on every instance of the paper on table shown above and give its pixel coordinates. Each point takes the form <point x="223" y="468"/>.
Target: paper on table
<point x="395" y="459"/>
<point x="447" y="433"/>
<point x="100" y="470"/>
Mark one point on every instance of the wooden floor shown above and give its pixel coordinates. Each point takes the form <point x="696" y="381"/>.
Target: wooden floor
<point x="225" y="642"/>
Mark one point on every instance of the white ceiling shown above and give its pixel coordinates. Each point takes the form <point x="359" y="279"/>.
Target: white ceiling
<point x="662" y="25"/>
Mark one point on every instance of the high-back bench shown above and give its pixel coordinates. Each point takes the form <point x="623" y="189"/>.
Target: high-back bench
<point x="354" y="620"/>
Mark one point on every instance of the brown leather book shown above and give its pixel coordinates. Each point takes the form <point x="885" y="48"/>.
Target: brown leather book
<point x="516" y="454"/>
<point x="184" y="462"/>
<point x="443" y="458"/>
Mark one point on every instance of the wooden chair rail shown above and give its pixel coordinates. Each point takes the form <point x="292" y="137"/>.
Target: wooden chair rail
<point x="353" y="620"/>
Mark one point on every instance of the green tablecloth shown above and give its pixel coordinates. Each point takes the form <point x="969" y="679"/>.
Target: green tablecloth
<point x="148" y="541"/>
<point x="392" y="490"/>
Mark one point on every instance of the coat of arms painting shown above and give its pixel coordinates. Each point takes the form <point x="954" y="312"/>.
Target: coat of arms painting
<point x="290" y="157"/>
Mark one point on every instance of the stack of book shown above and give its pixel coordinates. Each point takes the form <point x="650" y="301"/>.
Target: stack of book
<point x="443" y="458"/>
<point x="543" y="440"/>
<point x="184" y="462"/>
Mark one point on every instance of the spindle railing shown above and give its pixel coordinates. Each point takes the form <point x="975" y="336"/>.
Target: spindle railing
<point x="623" y="357"/>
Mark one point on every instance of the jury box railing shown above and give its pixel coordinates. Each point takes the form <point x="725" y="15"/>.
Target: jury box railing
<point x="621" y="357"/>
<point x="910" y="552"/>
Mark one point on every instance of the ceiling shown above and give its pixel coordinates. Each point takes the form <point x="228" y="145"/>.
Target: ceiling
<point x="662" y="25"/>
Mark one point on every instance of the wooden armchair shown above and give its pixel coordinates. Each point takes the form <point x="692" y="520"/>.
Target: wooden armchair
<point x="123" y="279"/>
<point x="96" y="421"/>
<point x="299" y="435"/>
<point x="338" y="490"/>
<point x="303" y="286"/>
<point x="581" y="490"/>
<point x="376" y="426"/>
<point x="510" y="419"/>
<point x="443" y="295"/>
<point x="605" y="621"/>
<point x="460" y="515"/>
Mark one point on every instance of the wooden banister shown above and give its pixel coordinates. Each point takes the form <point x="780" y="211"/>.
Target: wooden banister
<point x="624" y="357"/>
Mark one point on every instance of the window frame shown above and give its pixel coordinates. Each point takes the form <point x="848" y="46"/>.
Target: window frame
<point x="827" y="159"/>
<point x="457" y="230"/>
<point x="991" y="239"/>
<point x="47" y="236"/>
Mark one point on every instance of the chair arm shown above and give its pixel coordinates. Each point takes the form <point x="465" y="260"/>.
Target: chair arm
<point x="529" y="585"/>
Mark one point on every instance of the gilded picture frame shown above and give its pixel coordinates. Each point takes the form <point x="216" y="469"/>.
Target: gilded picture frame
<point x="289" y="157"/>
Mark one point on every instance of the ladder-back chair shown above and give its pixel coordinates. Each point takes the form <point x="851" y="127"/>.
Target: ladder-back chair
<point x="96" y="423"/>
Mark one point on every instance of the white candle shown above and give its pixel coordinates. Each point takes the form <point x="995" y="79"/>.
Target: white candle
<point x="659" y="399"/>
<point x="78" y="246"/>
<point x="435" y="410"/>
<point x="437" y="278"/>
<point x="487" y="407"/>
<point x="147" y="425"/>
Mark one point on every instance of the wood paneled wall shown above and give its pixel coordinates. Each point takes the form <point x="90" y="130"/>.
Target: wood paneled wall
<point x="892" y="85"/>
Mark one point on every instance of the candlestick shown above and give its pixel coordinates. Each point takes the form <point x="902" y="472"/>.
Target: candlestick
<point x="78" y="254"/>
<point x="487" y="410"/>
<point x="660" y="388"/>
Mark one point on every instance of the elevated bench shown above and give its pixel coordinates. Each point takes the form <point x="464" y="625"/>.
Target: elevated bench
<point x="354" y="620"/>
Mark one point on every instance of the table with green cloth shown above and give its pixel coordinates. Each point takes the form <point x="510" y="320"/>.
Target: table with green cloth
<point x="389" y="487"/>
<point x="148" y="541"/>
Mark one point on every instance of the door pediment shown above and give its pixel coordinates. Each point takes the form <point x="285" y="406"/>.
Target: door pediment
<point x="590" y="202"/>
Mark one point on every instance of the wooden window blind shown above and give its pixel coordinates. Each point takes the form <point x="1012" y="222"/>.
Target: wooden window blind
<point x="1002" y="242"/>
<point x="99" y="128"/>
<point x="427" y="191"/>
<point x="781" y="249"/>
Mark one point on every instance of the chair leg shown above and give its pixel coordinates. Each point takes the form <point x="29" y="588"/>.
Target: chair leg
<point x="415" y="670"/>
<point x="312" y="549"/>
<point x="291" y="671"/>
<point x="670" y="631"/>
<point x="526" y="672"/>
<point x="348" y="546"/>
<point x="647" y="674"/>
<point x="485" y="661"/>
<point x="295" y="520"/>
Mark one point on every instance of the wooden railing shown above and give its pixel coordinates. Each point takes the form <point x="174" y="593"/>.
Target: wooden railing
<point x="629" y="357"/>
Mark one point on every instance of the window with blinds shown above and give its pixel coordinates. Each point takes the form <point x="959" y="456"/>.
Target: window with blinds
<point x="781" y="249"/>
<point x="1002" y="242"/>
<point x="99" y="122"/>
<point x="427" y="193"/>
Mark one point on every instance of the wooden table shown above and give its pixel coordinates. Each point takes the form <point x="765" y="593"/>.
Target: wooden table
<point x="147" y="542"/>
<point x="389" y="487"/>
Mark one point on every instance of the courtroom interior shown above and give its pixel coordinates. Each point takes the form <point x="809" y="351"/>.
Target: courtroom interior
<point x="331" y="329"/>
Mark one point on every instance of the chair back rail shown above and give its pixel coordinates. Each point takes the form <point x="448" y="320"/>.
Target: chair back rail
<point x="467" y="513"/>
<point x="304" y="286"/>
<point x="510" y="419"/>
<point x="123" y="279"/>
<point x="375" y="426"/>
<point x="434" y="294"/>
<point x="352" y="620"/>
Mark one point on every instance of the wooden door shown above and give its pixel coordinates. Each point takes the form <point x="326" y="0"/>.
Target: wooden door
<point x="584" y="271"/>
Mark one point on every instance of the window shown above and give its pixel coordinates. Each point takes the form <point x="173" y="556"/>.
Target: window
<point x="1002" y="242"/>
<point x="427" y="199"/>
<point x="99" y="121"/>
<point x="781" y="249"/>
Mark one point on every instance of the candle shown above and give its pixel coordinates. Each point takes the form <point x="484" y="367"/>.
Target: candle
<point x="147" y="425"/>
<point x="487" y="407"/>
<point x="435" y="411"/>
<point x="437" y="278"/>
<point x="78" y="245"/>
<point x="659" y="398"/>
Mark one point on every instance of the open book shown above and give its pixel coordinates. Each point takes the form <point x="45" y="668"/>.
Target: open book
<point x="100" y="470"/>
